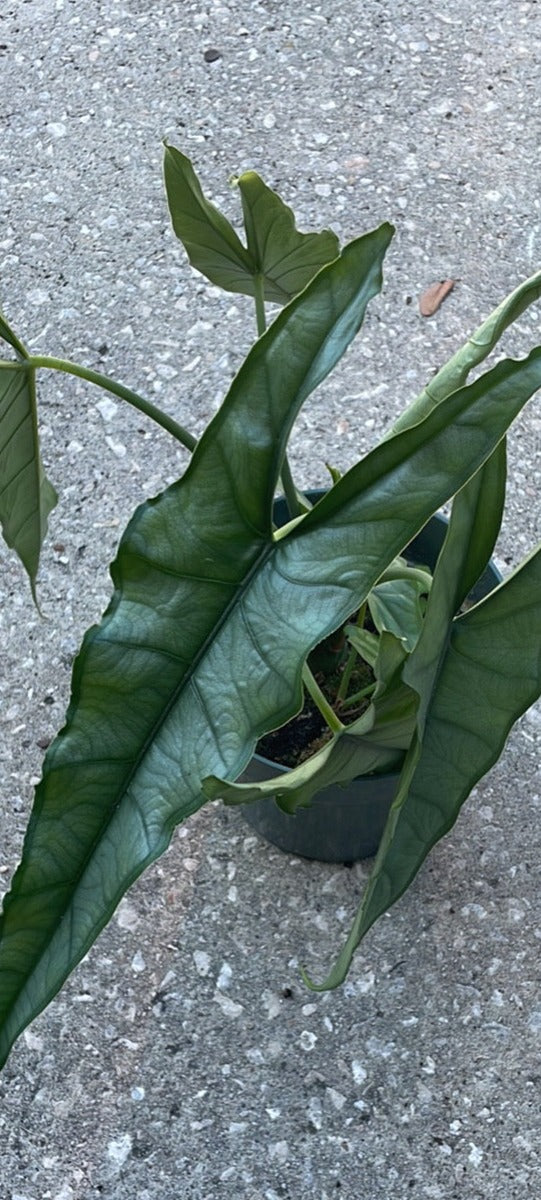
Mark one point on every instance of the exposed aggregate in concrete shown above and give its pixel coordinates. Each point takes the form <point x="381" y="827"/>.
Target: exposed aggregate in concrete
<point x="185" y="1058"/>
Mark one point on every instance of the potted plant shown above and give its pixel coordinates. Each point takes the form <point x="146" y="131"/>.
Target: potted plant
<point x="344" y="822"/>
<point x="218" y="616"/>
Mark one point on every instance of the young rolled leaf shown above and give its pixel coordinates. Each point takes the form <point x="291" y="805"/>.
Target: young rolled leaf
<point x="455" y="372"/>
<point x="278" y="260"/>
<point x="26" y="495"/>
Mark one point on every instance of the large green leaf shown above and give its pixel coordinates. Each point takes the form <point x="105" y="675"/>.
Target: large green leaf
<point x="471" y="535"/>
<point x="491" y="675"/>
<point x="283" y="259"/>
<point x="201" y="583"/>
<point x="455" y="372"/>
<point x="26" y="495"/>
<point x="286" y="259"/>
<point x="149" y="687"/>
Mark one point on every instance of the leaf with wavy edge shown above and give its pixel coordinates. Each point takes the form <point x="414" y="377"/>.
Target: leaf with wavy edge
<point x="471" y="536"/>
<point x="149" y="682"/>
<point x="473" y="708"/>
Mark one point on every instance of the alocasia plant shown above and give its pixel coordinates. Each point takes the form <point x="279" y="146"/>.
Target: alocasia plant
<point x="215" y="612"/>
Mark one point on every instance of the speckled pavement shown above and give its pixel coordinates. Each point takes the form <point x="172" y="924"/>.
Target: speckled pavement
<point x="185" y="1058"/>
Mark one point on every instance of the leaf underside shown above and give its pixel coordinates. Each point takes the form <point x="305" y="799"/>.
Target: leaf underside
<point x="26" y="495"/>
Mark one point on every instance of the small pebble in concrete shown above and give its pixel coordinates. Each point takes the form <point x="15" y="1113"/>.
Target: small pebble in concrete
<point x="229" y="1007"/>
<point x="107" y="409"/>
<point x="224" y="978"/>
<point x="119" y="1148"/>
<point x="202" y="962"/>
<point x="358" y="1071"/>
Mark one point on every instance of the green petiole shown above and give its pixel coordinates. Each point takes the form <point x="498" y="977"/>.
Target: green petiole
<point x="314" y="690"/>
<point x="351" y="660"/>
<point x="117" y="389"/>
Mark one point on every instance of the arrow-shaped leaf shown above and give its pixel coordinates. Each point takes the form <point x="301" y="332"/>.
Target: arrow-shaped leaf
<point x="281" y="259"/>
<point x="151" y="683"/>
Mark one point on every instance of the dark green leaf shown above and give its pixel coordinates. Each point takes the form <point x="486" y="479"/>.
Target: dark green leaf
<point x="277" y="255"/>
<point x="202" y="582"/>
<point x="286" y="259"/>
<point x="210" y="241"/>
<point x="154" y="707"/>
<point x="491" y="675"/>
<point x="26" y="496"/>
<point x="472" y="532"/>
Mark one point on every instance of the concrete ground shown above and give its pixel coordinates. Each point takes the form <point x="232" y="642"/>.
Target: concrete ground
<point x="185" y="1058"/>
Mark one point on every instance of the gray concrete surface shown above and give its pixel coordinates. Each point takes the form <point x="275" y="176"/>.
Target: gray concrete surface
<point x="185" y="1058"/>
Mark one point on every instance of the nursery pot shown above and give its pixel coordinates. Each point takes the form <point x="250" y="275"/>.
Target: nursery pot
<point x="343" y="823"/>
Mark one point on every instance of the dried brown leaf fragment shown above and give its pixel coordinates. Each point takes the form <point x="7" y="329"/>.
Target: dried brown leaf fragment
<point x="430" y="300"/>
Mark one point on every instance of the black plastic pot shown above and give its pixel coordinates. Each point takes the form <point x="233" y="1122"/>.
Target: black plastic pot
<point x="343" y="824"/>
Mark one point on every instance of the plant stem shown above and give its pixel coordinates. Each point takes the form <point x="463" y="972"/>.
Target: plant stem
<point x="351" y="660"/>
<point x="259" y="297"/>
<point x="314" y="690"/>
<point x="296" y="509"/>
<point x="295" y="503"/>
<point x="117" y="389"/>
<point x="366" y="691"/>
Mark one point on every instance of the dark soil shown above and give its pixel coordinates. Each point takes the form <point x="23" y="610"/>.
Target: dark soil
<point x="306" y="733"/>
<point x="298" y="740"/>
